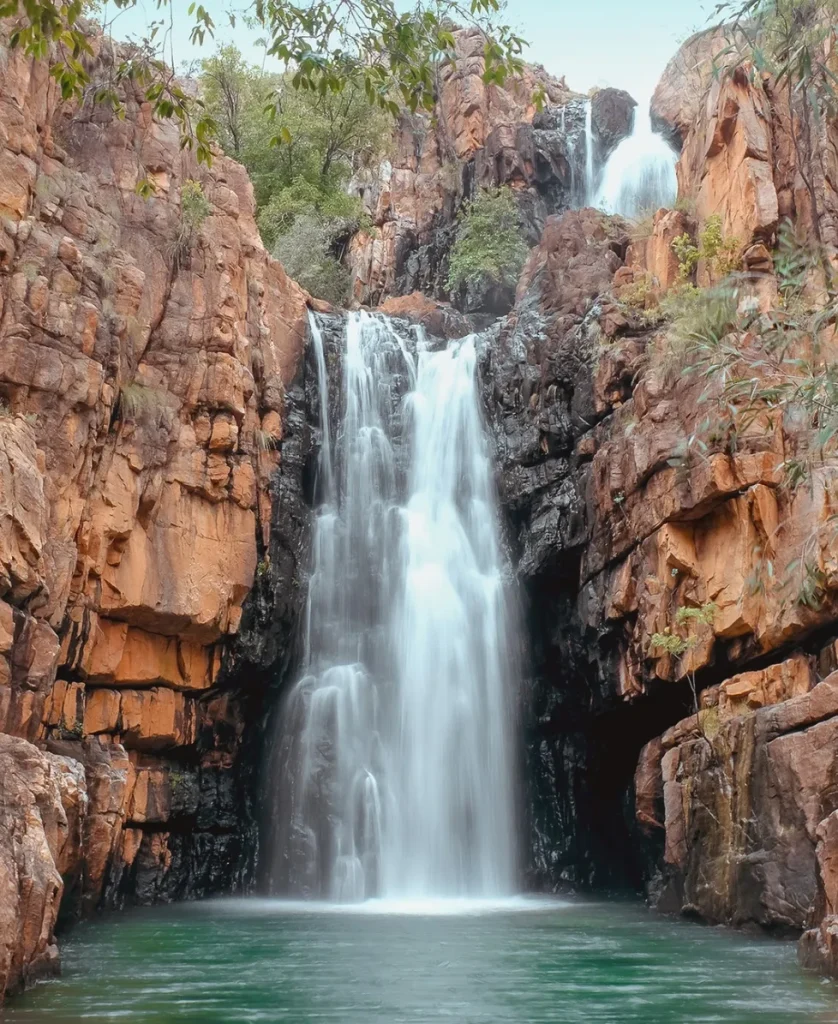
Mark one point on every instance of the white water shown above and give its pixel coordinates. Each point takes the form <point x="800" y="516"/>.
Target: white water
<point x="639" y="176"/>
<point x="589" y="150"/>
<point x="395" y="769"/>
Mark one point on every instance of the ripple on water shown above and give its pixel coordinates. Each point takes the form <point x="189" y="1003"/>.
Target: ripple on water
<point x="519" y="961"/>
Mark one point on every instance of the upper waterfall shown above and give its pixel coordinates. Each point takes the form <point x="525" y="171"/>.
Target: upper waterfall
<point x="640" y="174"/>
<point x="394" y="768"/>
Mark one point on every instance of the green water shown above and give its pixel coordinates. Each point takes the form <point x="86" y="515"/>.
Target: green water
<point x="528" y="963"/>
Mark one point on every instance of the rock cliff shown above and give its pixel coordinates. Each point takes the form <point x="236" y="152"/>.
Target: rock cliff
<point x="481" y="136"/>
<point x="705" y="772"/>
<point x="145" y="368"/>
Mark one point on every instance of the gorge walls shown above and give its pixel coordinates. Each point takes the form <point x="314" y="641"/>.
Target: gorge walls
<point x="703" y="770"/>
<point x="145" y="362"/>
<point x="158" y="428"/>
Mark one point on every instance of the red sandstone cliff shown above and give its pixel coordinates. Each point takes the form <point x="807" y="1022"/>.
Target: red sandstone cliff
<point x="742" y="792"/>
<point x="142" y="376"/>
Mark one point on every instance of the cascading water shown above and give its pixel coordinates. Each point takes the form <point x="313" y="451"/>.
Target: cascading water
<point x="640" y="174"/>
<point x="589" y="150"/>
<point x="394" y="767"/>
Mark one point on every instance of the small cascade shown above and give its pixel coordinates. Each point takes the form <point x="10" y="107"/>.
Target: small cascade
<point x="589" y="151"/>
<point x="639" y="176"/>
<point x="393" y="765"/>
<point x="566" y="133"/>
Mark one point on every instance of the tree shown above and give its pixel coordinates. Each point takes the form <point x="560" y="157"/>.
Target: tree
<point x="326" y="44"/>
<point x="328" y="136"/>
<point x="306" y="252"/>
<point x="229" y="89"/>
<point x="490" y="246"/>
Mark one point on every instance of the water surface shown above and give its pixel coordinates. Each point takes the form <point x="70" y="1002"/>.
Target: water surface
<point x="471" y="963"/>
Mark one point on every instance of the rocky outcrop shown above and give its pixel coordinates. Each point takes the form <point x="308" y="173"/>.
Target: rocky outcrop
<point x="481" y="136"/>
<point x="750" y="153"/>
<point x="145" y="361"/>
<point x="746" y="785"/>
<point x="612" y="120"/>
<point x="680" y="94"/>
<point x="700" y="769"/>
<point x="43" y="806"/>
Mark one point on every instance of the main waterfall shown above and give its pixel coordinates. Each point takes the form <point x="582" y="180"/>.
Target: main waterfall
<point x="394" y="768"/>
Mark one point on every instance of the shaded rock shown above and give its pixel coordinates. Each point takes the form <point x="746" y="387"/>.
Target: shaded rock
<point x="612" y="120"/>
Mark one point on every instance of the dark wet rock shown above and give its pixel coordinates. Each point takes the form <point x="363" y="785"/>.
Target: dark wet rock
<point x="612" y="119"/>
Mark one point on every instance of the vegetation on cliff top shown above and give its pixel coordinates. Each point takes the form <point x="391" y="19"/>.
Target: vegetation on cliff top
<point x="304" y="210"/>
<point x="490" y="245"/>
<point x="794" y="41"/>
<point x="367" y="44"/>
<point x="766" y="369"/>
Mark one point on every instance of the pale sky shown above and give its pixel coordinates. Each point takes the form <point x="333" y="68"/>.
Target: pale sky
<point x="624" y="43"/>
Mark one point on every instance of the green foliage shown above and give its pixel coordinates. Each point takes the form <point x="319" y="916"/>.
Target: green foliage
<point x="640" y="300"/>
<point x="230" y="92"/>
<point x="688" y="255"/>
<point x="639" y="294"/>
<point x="389" y="55"/>
<point x="194" y="205"/>
<point x="700" y="322"/>
<point x="318" y="200"/>
<point x="794" y="41"/>
<point x="688" y="619"/>
<point x="724" y="255"/>
<point x="764" y="370"/>
<point x="671" y="643"/>
<point x="791" y="39"/>
<point x="179" y="783"/>
<point x="194" y="210"/>
<point x="703" y="615"/>
<point x="306" y="250"/>
<point x="490" y="245"/>
<point x="795" y="262"/>
<point x="299" y="146"/>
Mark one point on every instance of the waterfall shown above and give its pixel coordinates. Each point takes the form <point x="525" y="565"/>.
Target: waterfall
<point x="589" y="150"/>
<point x="394" y="768"/>
<point x="640" y="174"/>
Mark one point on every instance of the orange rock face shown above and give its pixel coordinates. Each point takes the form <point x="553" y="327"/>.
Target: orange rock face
<point x="136" y="378"/>
<point x="738" y="793"/>
<point x="414" y="196"/>
<point x="742" y="151"/>
<point x="43" y="804"/>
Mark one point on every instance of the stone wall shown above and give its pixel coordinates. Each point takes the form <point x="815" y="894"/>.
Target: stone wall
<point x="620" y="521"/>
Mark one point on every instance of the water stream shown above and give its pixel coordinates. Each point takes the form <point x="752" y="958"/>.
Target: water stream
<point x="639" y="177"/>
<point x="394" y="774"/>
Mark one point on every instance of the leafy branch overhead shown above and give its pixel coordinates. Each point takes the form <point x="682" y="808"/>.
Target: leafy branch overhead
<point x="327" y="45"/>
